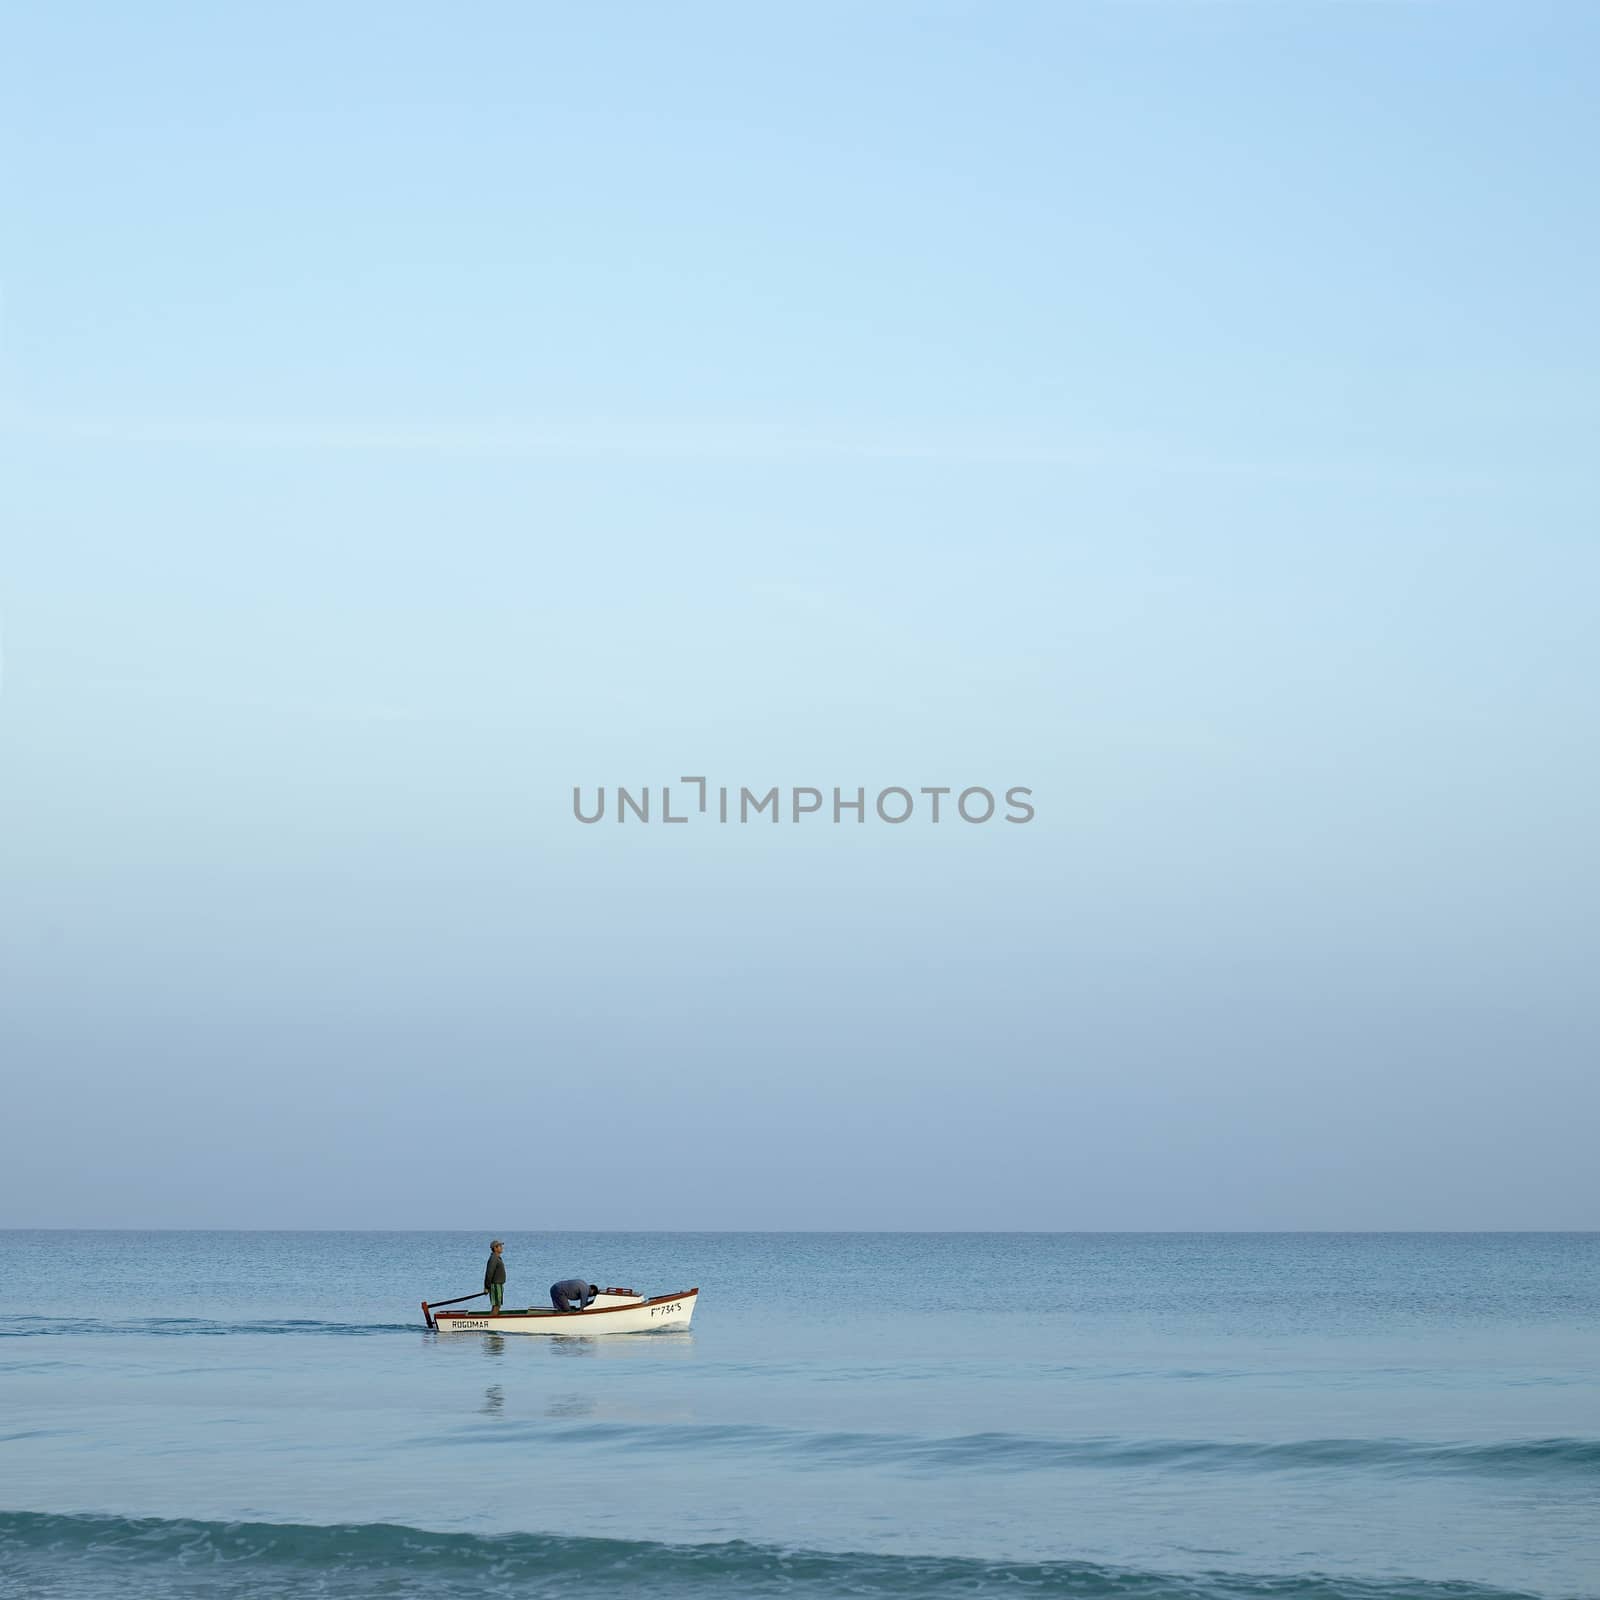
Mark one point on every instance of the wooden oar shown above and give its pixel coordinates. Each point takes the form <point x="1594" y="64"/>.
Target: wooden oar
<point x="430" y="1306"/>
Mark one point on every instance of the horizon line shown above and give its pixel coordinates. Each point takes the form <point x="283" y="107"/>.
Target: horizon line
<point x="836" y="1232"/>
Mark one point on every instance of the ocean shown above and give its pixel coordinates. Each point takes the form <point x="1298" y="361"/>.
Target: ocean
<point x="1205" y="1416"/>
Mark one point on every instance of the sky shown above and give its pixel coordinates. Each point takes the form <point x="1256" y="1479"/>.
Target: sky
<point x="1183" y="409"/>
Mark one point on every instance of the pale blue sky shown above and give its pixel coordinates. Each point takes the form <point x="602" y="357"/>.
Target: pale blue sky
<point x="1184" y="409"/>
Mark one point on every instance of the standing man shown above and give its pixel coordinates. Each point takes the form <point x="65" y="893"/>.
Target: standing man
<point x="494" y="1275"/>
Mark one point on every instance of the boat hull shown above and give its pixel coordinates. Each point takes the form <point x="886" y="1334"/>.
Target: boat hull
<point x="609" y="1314"/>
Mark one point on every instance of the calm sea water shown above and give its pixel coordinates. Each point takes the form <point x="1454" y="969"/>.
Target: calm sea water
<point x="1194" y="1415"/>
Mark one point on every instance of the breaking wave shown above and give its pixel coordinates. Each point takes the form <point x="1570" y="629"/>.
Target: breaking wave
<point x="46" y="1556"/>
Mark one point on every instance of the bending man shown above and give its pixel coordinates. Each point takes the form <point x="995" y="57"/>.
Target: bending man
<point x="563" y="1294"/>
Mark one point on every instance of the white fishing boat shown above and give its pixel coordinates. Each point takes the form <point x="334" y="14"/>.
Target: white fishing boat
<point x="611" y="1311"/>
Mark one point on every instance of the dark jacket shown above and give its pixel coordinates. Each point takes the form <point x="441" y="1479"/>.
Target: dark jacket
<point x="495" y="1272"/>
